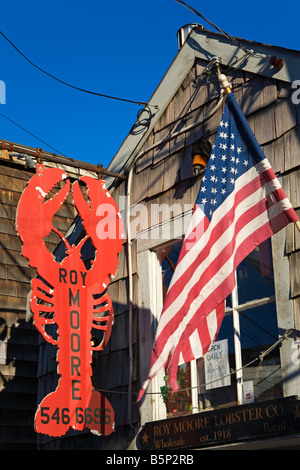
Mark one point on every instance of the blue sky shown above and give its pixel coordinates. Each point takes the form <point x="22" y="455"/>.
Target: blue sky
<point x="116" y="48"/>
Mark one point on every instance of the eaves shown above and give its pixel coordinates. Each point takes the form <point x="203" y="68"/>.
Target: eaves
<point x="205" y="45"/>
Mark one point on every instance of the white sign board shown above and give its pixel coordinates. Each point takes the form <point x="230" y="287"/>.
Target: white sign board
<point x="216" y="364"/>
<point x="248" y="391"/>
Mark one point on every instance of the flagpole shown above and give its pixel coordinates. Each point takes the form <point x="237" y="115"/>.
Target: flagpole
<point x="236" y="320"/>
<point x="223" y="80"/>
<point x="226" y="87"/>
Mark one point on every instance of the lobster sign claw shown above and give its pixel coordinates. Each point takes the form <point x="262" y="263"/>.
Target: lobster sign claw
<point x="71" y="308"/>
<point x="102" y="222"/>
<point x="35" y="214"/>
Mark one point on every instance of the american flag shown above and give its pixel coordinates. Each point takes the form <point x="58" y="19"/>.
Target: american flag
<point x="240" y="204"/>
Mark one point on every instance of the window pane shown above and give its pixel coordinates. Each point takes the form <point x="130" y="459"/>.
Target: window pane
<point x="259" y="327"/>
<point x="259" y="331"/>
<point x="178" y="403"/>
<point x="255" y="274"/>
<point x="209" y="398"/>
<point x="168" y="258"/>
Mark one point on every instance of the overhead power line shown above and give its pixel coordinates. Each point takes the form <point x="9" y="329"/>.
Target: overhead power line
<point x="259" y="358"/>
<point x="68" y="84"/>
<point x="272" y="60"/>
<point x="33" y="135"/>
<point x="232" y="39"/>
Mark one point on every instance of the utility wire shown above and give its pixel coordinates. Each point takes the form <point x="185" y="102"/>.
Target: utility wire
<point x="68" y="84"/>
<point x="260" y="357"/>
<point x="232" y="39"/>
<point x="30" y="133"/>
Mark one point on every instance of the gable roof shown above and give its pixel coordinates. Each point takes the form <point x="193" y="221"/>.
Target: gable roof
<point x="202" y="44"/>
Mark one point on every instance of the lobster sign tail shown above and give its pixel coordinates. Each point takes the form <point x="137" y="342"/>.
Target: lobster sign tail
<point x="71" y="308"/>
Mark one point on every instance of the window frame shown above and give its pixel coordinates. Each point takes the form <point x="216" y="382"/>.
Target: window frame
<point x="235" y="311"/>
<point x="150" y="294"/>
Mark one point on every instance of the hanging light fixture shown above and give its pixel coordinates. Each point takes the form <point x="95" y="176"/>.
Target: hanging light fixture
<point x="200" y="154"/>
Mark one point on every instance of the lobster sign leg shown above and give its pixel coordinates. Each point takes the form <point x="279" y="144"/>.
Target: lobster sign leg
<point x="70" y="298"/>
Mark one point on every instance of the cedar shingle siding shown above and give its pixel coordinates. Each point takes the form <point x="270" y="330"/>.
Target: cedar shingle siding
<point x="161" y="175"/>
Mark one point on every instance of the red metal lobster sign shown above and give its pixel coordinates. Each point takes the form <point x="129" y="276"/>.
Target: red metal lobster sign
<point x="71" y="297"/>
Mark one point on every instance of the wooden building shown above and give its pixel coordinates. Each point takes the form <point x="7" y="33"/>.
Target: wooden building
<point x="156" y="200"/>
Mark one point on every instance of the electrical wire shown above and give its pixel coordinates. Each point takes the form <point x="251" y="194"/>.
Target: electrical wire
<point x="147" y="106"/>
<point x="232" y="39"/>
<point x="33" y="135"/>
<point x="248" y="52"/>
<point x="258" y="358"/>
<point x="68" y="84"/>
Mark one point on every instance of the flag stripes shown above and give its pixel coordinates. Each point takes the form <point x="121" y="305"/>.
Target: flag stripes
<point x="240" y="204"/>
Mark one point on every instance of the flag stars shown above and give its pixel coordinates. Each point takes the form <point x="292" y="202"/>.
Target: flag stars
<point x="224" y="124"/>
<point x="223" y="135"/>
<point x="223" y="146"/>
<point x="233" y="170"/>
<point x="227" y="162"/>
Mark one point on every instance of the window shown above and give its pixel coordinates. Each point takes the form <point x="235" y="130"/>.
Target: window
<point x="233" y="372"/>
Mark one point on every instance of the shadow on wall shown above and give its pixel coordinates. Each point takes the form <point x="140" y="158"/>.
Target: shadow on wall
<point x="18" y="381"/>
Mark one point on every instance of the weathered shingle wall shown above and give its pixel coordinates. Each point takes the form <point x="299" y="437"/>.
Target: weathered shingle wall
<point x="19" y="349"/>
<point x="163" y="173"/>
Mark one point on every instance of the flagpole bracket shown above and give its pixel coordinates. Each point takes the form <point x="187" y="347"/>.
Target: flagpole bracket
<point x="222" y="78"/>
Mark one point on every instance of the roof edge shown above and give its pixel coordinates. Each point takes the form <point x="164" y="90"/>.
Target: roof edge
<point x="204" y="44"/>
